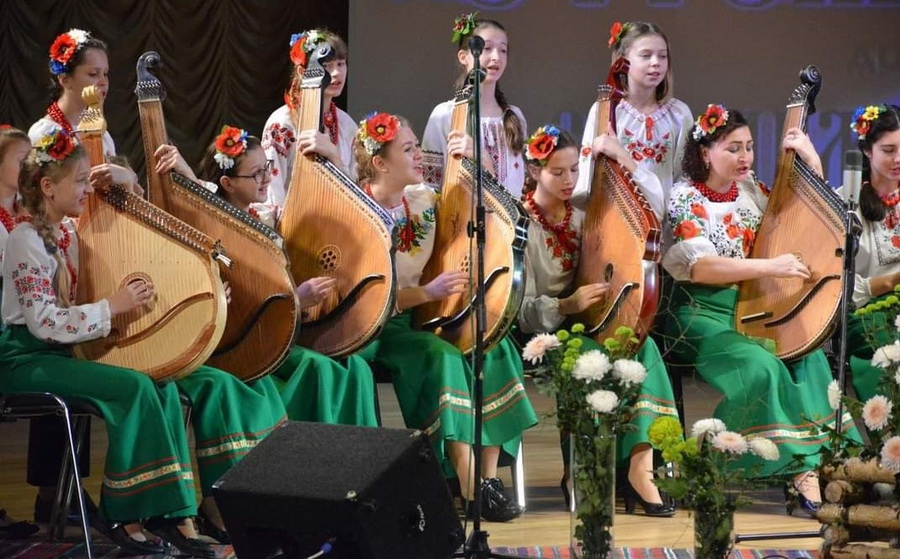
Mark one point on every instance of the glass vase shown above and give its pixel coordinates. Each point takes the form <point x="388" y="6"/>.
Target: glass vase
<point x="593" y="493"/>
<point x="713" y="531"/>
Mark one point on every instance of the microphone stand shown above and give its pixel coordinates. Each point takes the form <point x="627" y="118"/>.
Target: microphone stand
<point x="852" y="228"/>
<point x="476" y="545"/>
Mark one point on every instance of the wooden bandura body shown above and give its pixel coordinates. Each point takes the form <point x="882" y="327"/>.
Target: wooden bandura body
<point x="506" y="231"/>
<point x="125" y="239"/>
<point x="803" y="216"/>
<point x="262" y="314"/>
<point x="620" y="242"/>
<point x="332" y="228"/>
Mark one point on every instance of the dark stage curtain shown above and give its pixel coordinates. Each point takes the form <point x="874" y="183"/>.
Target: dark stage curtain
<point x="224" y="61"/>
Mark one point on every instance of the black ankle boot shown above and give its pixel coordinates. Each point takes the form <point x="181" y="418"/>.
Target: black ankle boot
<point x="495" y="505"/>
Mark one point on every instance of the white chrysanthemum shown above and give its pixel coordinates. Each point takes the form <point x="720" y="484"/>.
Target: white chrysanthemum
<point x="764" y="448"/>
<point x="704" y="426"/>
<point x="886" y="356"/>
<point x="834" y="394"/>
<point x="729" y="441"/>
<point x="538" y="346"/>
<point x="629" y="371"/>
<point x="591" y="365"/>
<point x="877" y="412"/>
<point x="603" y="401"/>
<point x="223" y="161"/>
<point x="897" y="322"/>
<point x="890" y="454"/>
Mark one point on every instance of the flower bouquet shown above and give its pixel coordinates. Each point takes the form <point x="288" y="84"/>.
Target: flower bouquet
<point x="705" y="477"/>
<point x="594" y="392"/>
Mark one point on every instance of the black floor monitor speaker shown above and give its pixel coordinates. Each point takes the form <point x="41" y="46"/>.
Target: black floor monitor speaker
<point x="362" y="492"/>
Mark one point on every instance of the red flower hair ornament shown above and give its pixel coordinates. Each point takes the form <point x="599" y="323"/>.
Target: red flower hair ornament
<point x="64" y="48"/>
<point x="230" y="144"/>
<point x="541" y="144"/>
<point x="715" y="117"/>
<point x="376" y="130"/>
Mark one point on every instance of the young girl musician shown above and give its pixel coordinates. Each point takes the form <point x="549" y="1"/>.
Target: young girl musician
<point x="313" y="387"/>
<point x="280" y="138"/>
<point x="652" y="127"/>
<point x="431" y="377"/>
<point x="877" y="128"/>
<point x="502" y="125"/>
<point x="553" y="252"/>
<point x="714" y="215"/>
<point x="148" y="480"/>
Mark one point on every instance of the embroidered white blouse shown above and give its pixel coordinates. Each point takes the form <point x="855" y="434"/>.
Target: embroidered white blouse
<point x="550" y="270"/>
<point x="879" y="252"/>
<point x="702" y="227"/>
<point x="656" y="143"/>
<point x="29" y="297"/>
<point x="279" y="141"/>
<point x="416" y="234"/>
<point x="509" y="167"/>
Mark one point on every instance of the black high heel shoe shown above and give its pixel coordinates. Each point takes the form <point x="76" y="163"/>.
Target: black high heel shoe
<point x="496" y="506"/>
<point x="632" y="497"/>
<point x="794" y="499"/>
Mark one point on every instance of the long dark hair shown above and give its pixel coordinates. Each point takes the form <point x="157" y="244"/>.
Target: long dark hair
<point x="77" y="59"/>
<point x="565" y="140"/>
<point x="870" y="204"/>
<point x="512" y="126"/>
<point x="212" y="172"/>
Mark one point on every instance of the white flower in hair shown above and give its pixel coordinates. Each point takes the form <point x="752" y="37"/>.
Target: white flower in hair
<point x="80" y="36"/>
<point x="224" y="161"/>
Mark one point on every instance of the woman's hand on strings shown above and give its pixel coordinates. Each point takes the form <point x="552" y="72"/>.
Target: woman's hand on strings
<point x="445" y="285"/>
<point x="105" y="175"/>
<point x="608" y="145"/>
<point x="583" y="298"/>
<point x="797" y="140"/>
<point x="168" y="158"/>
<point x="311" y="142"/>
<point x="788" y="266"/>
<point x="130" y="297"/>
<point x="313" y="291"/>
<point x="460" y="144"/>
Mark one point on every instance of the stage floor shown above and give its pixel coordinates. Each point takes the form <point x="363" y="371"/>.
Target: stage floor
<point x="545" y="523"/>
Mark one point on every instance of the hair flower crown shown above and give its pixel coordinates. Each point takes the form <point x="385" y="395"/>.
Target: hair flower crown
<point x="541" y="144"/>
<point x="616" y="32"/>
<point x="463" y="26"/>
<point x="304" y="43"/>
<point x="54" y="146"/>
<point x="864" y="117"/>
<point x="64" y="48"/>
<point x="715" y="117"/>
<point x="230" y="144"/>
<point x="376" y="130"/>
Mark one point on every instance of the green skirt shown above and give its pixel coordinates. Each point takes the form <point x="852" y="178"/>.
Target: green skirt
<point x="763" y="395"/>
<point x="230" y="417"/>
<point x="433" y="382"/>
<point x="865" y="334"/>
<point x="148" y="465"/>
<point x="317" y="388"/>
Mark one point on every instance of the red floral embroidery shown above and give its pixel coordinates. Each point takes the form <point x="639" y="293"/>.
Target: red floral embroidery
<point x="564" y="242"/>
<point x="279" y="137"/>
<point x="687" y="229"/>
<point x="699" y="210"/>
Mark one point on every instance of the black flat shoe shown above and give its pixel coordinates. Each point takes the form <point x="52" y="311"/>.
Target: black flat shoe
<point x="207" y="528"/>
<point x="632" y="498"/>
<point x="128" y="545"/>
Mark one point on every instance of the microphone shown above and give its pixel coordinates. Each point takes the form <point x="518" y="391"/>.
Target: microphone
<point x="476" y="45"/>
<point x="852" y="177"/>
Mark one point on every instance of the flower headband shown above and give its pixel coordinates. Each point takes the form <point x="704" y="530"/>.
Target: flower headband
<point x="54" y="146"/>
<point x="616" y="32"/>
<point x="230" y="144"/>
<point x="864" y="117"/>
<point x="304" y="43"/>
<point x="464" y="25"/>
<point x="541" y="144"/>
<point x="376" y="130"/>
<point x="715" y="117"/>
<point x="64" y="48"/>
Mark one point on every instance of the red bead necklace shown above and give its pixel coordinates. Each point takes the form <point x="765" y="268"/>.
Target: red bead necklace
<point x="563" y="243"/>
<point x="59" y="117"/>
<point x="331" y="122"/>
<point x="9" y="222"/>
<point x="407" y="233"/>
<point x="729" y="195"/>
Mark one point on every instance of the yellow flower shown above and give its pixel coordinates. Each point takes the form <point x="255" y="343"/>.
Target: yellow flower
<point x="871" y="112"/>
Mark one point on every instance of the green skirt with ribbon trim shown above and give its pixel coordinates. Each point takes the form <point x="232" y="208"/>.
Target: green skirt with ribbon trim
<point x="763" y="395"/>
